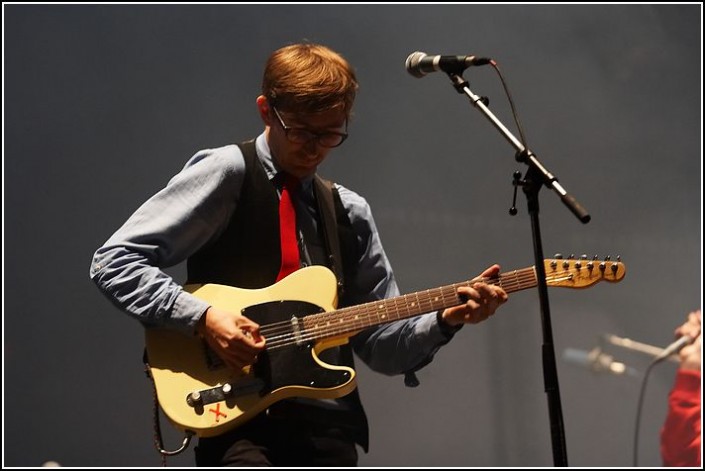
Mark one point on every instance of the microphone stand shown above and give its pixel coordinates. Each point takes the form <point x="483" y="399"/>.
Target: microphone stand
<point x="535" y="177"/>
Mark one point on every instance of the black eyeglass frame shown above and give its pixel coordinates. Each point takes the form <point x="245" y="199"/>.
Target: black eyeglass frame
<point x="304" y="136"/>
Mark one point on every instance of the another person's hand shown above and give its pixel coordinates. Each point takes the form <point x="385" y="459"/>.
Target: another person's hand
<point x="233" y="337"/>
<point x="482" y="301"/>
<point x="691" y="355"/>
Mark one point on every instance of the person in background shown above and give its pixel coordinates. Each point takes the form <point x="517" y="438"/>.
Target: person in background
<point x="681" y="433"/>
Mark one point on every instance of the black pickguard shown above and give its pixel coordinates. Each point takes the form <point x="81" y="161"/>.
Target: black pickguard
<point x="294" y="364"/>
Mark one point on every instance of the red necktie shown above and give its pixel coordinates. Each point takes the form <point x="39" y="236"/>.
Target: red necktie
<point x="287" y="229"/>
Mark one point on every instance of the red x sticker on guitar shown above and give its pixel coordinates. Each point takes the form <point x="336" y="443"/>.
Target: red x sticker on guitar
<point x="217" y="412"/>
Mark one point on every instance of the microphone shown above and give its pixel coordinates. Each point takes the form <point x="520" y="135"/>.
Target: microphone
<point x="675" y="347"/>
<point x="597" y="361"/>
<point x="419" y="64"/>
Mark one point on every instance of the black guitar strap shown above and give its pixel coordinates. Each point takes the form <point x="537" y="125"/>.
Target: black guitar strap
<point x="324" y="190"/>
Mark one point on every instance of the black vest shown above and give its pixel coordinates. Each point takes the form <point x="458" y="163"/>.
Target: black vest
<point x="248" y="255"/>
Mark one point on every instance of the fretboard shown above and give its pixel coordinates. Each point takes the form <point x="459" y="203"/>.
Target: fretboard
<point x="355" y="318"/>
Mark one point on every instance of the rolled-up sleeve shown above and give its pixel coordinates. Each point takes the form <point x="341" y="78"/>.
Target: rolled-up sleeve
<point x="190" y="211"/>
<point x="398" y="347"/>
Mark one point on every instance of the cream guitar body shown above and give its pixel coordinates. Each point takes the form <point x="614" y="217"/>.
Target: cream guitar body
<point x="183" y="365"/>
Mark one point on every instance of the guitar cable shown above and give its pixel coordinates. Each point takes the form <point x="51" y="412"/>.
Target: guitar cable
<point x="158" y="440"/>
<point x="157" y="437"/>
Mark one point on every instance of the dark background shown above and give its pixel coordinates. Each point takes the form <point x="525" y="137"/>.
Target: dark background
<point x="104" y="103"/>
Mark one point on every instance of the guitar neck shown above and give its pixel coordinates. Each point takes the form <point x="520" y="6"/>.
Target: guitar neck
<point x="346" y="321"/>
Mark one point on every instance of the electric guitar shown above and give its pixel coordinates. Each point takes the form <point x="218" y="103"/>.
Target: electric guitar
<point x="297" y="316"/>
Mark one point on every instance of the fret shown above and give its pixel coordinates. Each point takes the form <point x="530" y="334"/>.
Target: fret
<point x="394" y="310"/>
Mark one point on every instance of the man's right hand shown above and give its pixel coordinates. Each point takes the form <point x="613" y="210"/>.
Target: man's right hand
<point x="233" y="337"/>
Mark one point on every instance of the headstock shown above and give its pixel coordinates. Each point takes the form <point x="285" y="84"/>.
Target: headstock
<point x="582" y="272"/>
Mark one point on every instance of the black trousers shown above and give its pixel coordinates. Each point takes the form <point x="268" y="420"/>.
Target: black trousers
<point x="280" y="442"/>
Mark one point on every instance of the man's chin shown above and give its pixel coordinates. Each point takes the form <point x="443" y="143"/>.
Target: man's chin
<point x="303" y="171"/>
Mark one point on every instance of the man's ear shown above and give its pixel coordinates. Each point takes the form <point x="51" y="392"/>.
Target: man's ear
<point x="263" y="108"/>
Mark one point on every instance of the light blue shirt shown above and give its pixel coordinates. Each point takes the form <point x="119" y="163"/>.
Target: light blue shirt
<point x="195" y="207"/>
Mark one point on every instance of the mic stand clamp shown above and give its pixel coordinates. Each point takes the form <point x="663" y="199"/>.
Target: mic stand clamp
<point x="517" y="182"/>
<point x="460" y="85"/>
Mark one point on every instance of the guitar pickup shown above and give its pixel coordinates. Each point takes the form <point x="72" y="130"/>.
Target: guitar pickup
<point x="296" y="330"/>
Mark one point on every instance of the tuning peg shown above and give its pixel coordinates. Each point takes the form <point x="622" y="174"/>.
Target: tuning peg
<point x="583" y="257"/>
<point x="572" y="257"/>
<point x="558" y="256"/>
<point x="608" y="258"/>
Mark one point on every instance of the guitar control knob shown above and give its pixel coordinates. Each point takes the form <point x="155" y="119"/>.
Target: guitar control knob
<point x="193" y="398"/>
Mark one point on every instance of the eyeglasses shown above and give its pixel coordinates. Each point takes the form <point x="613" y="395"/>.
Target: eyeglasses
<point x="303" y="136"/>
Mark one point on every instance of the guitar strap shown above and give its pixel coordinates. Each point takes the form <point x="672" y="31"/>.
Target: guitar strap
<point x="325" y="191"/>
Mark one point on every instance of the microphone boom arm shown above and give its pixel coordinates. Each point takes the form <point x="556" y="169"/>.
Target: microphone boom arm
<point x="523" y="154"/>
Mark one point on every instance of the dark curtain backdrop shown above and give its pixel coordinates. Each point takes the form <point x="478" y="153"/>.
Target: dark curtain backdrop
<point x="104" y="103"/>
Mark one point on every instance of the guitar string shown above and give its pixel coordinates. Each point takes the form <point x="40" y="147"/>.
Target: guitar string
<point x="285" y="328"/>
<point x="270" y="330"/>
<point x="511" y="281"/>
<point x="425" y="301"/>
<point x="285" y="325"/>
<point x="328" y="331"/>
<point x="369" y="310"/>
